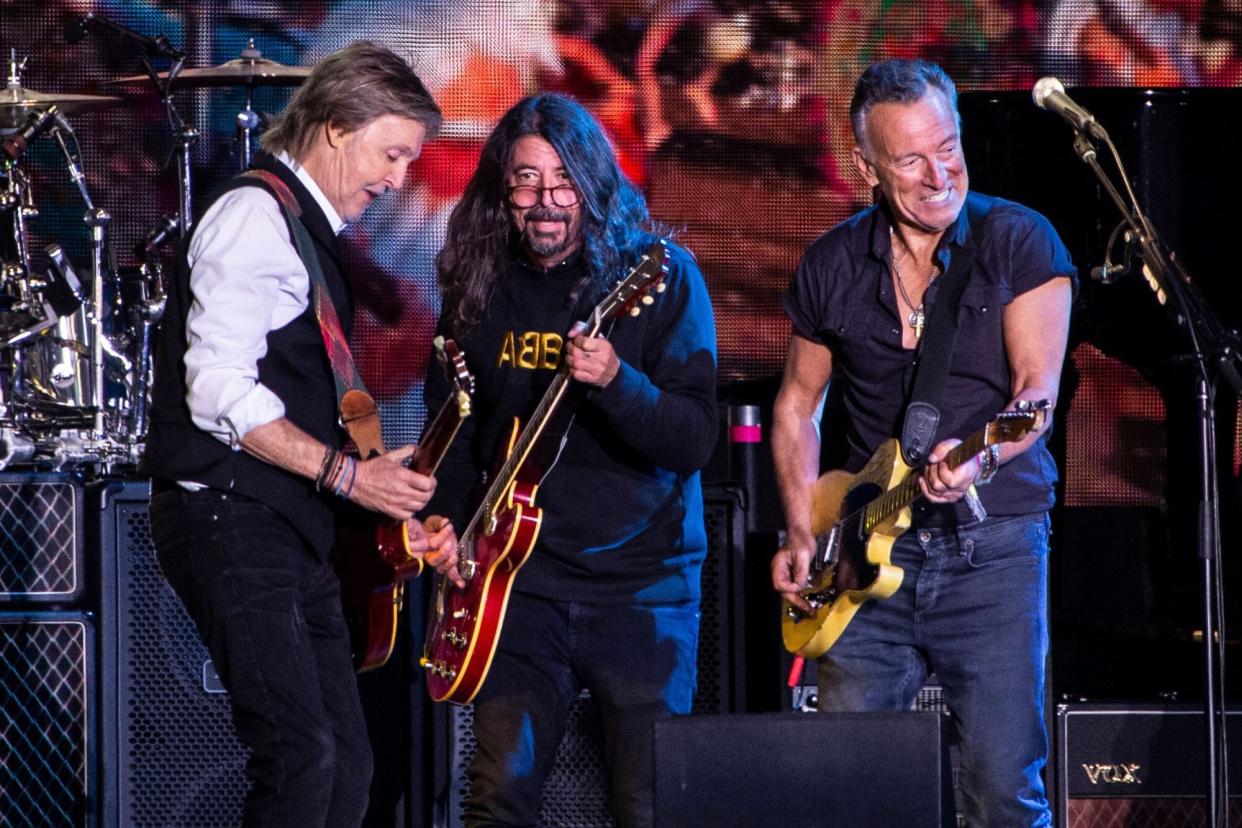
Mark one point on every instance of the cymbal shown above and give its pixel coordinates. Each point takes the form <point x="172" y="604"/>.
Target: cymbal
<point x="243" y="71"/>
<point x="17" y="102"/>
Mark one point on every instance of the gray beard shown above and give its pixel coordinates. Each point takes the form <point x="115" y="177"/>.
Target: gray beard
<point x="546" y="245"/>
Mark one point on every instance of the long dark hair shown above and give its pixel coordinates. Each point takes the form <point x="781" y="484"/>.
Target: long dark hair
<point x="616" y="226"/>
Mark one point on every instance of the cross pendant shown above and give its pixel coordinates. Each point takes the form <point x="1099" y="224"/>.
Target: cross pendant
<point x="917" y="321"/>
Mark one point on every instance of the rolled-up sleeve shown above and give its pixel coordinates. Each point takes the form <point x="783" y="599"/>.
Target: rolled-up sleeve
<point x="246" y="280"/>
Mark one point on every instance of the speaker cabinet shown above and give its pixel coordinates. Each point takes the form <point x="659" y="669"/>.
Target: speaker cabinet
<point x="169" y="754"/>
<point x="47" y="715"/>
<point x="721" y="660"/>
<point x="1137" y="766"/>
<point x="575" y="794"/>
<point x="791" y="770"/>
<point x="41" y="538"/>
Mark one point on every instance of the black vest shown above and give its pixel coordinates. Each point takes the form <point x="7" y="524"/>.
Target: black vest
<point x="295" y="368"/>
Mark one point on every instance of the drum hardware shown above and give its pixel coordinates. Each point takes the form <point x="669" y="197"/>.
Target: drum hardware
<point x="57" y="356"/>
<point x="15" y="448"/>
<point x="17" y="102"/>
<point x="250" y="70"/>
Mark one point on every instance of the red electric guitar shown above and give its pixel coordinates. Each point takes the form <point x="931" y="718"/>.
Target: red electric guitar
<point x="372" y="555"/>
<point x="464" y="625"/>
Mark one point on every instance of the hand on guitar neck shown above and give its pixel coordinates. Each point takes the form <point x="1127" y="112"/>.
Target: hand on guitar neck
<point x="591" y="358"/>
<point x="386" y="485"/>
<point x="940" y="482"/>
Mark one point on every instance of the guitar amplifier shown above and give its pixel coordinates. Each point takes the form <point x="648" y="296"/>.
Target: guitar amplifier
<point x="1137" y="765"/>
<point x="47" y="717"/>
<point x="41" y="539"/>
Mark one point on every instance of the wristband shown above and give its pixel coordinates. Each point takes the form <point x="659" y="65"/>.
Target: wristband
<point x="989" y="463"/>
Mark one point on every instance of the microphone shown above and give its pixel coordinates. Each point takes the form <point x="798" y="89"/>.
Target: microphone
<point x="1049" y="94"/>
<point x="159" y="235"/>
<point x="65" y="293"/>
<point x="36" y="125"/>
<point x="158" y="46"/>
<point x="1107" y="273"/>
<point x="62" y="123"/>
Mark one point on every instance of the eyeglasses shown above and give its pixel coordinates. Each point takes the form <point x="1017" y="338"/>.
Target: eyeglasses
<point x="526" y="195"/>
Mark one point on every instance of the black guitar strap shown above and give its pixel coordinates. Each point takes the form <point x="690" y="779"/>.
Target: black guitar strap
<point x="931" y="365"/>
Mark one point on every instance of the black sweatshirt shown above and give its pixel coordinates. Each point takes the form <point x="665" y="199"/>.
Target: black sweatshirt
<point x="622" y="504"/>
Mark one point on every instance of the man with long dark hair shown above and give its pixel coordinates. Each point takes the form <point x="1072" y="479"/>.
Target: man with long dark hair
<point x="245" y="450"/>
<point x="972" y="603"/>
<point x="609" y="598"/>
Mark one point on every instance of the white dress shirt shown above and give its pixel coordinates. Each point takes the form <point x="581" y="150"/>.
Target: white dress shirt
<point x="247" y="280"/>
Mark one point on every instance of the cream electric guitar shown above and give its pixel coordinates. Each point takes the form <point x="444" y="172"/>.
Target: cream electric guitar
<point x="856" y="519"/>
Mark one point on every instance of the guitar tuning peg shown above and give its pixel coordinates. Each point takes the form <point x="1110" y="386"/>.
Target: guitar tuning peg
<point x="635" y="311"/>
<point x="648" y="300"/>
<point x="660" y="288"/>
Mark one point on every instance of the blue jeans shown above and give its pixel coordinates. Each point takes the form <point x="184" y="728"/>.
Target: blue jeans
<point x="269" y="611"/>
<point x="971" y="608"/>
<point x="637" y="660"/>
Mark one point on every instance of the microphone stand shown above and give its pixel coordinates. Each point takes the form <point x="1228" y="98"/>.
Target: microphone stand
<point x="1214" y="354"/>
<point x="184" y="138"/>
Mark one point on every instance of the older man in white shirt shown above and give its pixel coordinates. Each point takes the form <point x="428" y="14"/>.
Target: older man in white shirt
<point x="245" y="447"/>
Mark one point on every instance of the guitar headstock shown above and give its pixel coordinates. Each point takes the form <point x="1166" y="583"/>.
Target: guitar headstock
<point x="1012" y="426"/>
<point x="454" y="363"/>
<point x="635" y="289"/>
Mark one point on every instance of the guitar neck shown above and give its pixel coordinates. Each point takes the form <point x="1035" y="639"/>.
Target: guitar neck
<point x="907" y="491"/>
<point x="438" y="436"/>
<point x="508" y="471"/>
<point x="641" y="278"/>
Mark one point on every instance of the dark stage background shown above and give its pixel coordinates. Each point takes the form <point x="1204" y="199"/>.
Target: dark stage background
<point x="731" y="115"/>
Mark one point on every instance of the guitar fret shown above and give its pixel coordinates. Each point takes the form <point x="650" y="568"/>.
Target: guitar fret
<point x="905" y="492"/>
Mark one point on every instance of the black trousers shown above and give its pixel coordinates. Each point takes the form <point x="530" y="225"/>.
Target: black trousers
<point x="269" y="611"/>
<point x="638" y="661"/>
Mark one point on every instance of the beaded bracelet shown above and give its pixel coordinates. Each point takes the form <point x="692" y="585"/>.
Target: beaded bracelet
<point x="321" y="479"/>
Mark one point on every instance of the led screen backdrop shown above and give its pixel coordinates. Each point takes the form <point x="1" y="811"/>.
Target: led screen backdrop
<point x="730" y="114"/>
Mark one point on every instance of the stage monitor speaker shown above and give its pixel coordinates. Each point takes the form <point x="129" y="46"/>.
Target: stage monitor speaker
<point x="1137" y="765"/>
<point x="47" y="772"/>
<point x="41" y="538"/>
<point x="170" y="756"/>
<point x="829" y="769"/>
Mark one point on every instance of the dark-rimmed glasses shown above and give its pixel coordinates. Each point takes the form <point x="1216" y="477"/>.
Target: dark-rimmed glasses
<point x="523" y="196"/>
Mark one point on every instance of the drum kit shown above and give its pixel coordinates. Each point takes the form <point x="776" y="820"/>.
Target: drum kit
<point x="76" y="345"/>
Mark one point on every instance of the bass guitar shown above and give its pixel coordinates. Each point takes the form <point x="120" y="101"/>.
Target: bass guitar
<point x="464" y="624"/>
<point x="856" y="519"/>
<point x="372" y="555"/>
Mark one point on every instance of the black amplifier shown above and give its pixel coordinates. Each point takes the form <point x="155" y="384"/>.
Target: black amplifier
<point x="1138" y="765"/>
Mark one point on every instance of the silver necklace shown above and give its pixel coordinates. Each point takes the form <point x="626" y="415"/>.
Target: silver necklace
<point x="917" y="318"/>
